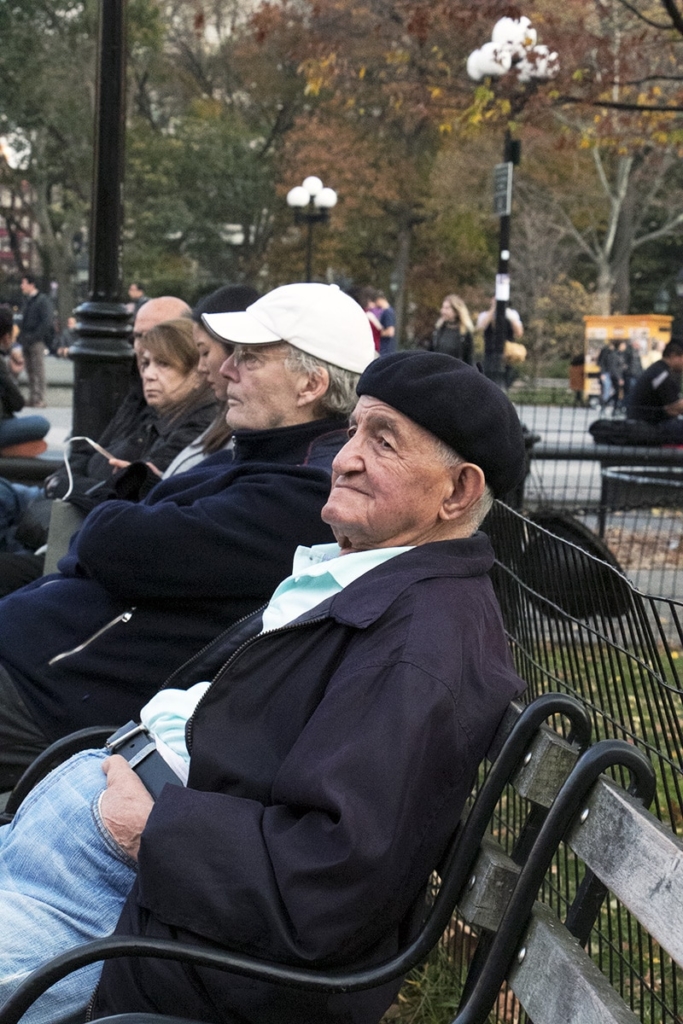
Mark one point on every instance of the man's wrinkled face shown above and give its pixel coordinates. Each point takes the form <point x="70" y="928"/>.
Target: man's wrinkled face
<point x="388" y="482"/>
<point x="262" y="392"/>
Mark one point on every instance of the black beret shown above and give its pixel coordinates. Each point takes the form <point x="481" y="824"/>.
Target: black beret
<point x="457" y="404"/>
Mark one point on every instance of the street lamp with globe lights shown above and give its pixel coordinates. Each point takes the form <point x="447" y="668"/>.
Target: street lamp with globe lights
<point x="311" y="203"/>
<point x="513" y="49"/>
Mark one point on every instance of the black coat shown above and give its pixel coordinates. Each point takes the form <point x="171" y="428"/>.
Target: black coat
<point x="134" y="434"/>
<point x="452" y="341"/>
<point x="36" y="320"/>
<point x="330" y="762"/>
<point x="146" y="585"/>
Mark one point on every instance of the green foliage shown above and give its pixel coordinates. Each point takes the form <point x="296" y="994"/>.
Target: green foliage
<point x="191" y="193"/>
<point x="557" y="328"/>
<point x="430" y="994"/>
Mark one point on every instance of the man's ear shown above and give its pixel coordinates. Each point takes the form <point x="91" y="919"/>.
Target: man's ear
<point x="469" y="484"/>
<point x="313" y="386"/>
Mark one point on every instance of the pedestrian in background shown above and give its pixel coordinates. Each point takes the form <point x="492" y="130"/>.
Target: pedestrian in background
<point x="387" y="318"/>
<point x="65" y="338"/>
<point x="611" y="364"/>
<point x="136" y="294"/>
<point x="367" y="297"/>
<point x="632" y="368"/>
<point x="36" y="332"/>
<point x="453" y="331"/>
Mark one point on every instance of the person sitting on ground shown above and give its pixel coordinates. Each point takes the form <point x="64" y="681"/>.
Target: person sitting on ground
<point x="655" y="396"/>
<point x="329" y="760"/>
<point x="19" y="435"/>
<point x="453" y="330"/>
<point x="147" y="584"/>
<point x="212" y="354"/>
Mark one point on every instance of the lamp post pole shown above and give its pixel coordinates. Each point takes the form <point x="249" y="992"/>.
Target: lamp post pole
<point x="103" y="352"/>
<point x="495" y="363"/>
<point x="311" y="203"/>
<point x="511" y="49"/>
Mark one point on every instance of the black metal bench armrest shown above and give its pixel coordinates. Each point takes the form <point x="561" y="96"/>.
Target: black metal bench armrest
<point x="60" y="750"/>
<point x="454" y="873"/>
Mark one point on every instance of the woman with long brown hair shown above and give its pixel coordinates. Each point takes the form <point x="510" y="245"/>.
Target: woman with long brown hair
<point x="453" y="330"/>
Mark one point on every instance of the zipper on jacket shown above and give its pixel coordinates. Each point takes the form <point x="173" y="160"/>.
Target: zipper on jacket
<point x="205" y="648"/>
<point x="123" y="617"/>
<point x="231" y="660"/>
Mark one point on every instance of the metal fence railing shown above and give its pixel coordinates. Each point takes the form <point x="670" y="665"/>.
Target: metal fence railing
<point x="631" y="499"/>
<point x="575" y="624"/>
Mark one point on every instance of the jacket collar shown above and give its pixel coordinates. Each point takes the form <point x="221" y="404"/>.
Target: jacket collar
<point x="283" y="444"/>
<point x="364" y="601"/>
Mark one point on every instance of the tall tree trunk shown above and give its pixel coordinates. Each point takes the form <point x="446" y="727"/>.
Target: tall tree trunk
<point x="621" y="255"/>
<point x="56" y="249"/>
<point x="405" y="234"/>
<point x="603" y="291"/>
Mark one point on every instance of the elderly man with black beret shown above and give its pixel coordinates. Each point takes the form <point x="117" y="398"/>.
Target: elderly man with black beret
<point x="329" y="758"/>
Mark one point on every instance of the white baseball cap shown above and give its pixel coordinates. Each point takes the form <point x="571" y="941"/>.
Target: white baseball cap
<point x="316" y="318"/>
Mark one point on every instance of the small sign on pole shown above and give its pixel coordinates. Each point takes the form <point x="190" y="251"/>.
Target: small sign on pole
<point x="502" y="189"/>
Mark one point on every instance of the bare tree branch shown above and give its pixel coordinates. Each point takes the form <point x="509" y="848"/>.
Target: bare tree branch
<point x="610" y="104"/>
<point x="674" y="13"/>
<point x="666" y="229"/>
<point x="643" y="17"/>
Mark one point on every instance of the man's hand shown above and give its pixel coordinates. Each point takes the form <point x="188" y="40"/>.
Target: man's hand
<point x="125" y="805"/>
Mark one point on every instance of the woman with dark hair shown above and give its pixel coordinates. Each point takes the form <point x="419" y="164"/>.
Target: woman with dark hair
<point x="230" y="298"/>
<point x="453" y="330"/>
<point x="18" y="435"/>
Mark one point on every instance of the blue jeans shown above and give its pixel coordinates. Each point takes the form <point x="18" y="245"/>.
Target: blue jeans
<point x="17" y="429"/>
<point x="63" y="882"/>
<point x="14" y="500"/>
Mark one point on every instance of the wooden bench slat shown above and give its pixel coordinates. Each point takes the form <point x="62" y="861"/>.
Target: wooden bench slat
<point x="493" y="878"/>
<point x="638" y="859"/>
<point x="558" y="983"/>
<point x="548" y="762"/>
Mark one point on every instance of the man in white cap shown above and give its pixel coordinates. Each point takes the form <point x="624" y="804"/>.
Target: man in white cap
<point x="145" y="586"/>
<point x="328" y="761"/>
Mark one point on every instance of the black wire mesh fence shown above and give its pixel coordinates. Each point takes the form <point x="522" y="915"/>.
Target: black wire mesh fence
<point x="575" y="624"/>
<point x="630" y="499"/>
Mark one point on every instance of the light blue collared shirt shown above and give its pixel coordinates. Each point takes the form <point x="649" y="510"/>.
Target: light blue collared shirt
<point x="318" y="573"/>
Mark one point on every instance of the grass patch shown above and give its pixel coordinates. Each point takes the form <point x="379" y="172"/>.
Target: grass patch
<point x="430" y="994"/>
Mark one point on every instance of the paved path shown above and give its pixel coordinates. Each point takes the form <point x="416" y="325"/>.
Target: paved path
<point x="59" y="376"/>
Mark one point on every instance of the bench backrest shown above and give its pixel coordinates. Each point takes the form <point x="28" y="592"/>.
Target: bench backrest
<point x="625" y="668"/>
<point x="628" y="855"/>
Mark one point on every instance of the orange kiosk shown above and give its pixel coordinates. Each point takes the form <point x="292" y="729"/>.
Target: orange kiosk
<point x="649" y="332"/>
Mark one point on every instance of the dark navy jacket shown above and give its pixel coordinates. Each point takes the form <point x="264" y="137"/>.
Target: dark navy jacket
<point x="146" y="585"/>
<point x="330" y="762"/>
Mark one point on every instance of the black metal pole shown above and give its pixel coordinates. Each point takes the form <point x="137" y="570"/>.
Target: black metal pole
<point x="310" y="219"/>
<point x="496" y="366"/>
<point x="494" y="363"/>
<point x="103" y="352"/>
